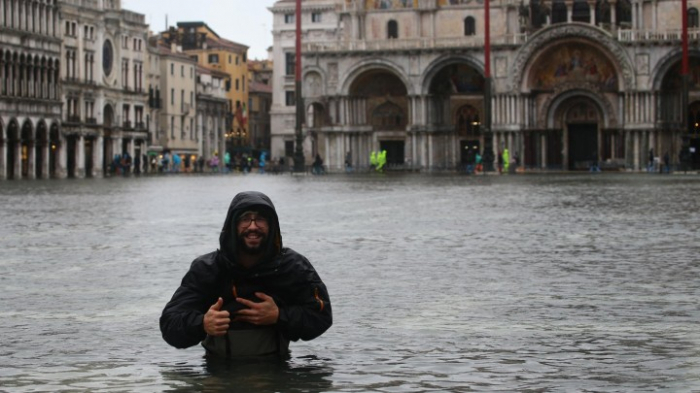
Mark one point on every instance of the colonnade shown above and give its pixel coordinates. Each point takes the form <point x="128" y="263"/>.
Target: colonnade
<point x="35" y="16"/>
<point x="27" y="76"/>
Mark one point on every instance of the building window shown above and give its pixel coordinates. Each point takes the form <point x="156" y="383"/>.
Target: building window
<point x="559" y="11"/>
<point x="289" y="148"/>
<point x="289" y="63"/>
<point x="290" y="98"/>
<point x="214" y="59"/>
<point x="172" y="68"/>
<point x="289" y="18"/>
<point x="315" y="17"/>
<point x="469" y="26"/>
<point x="392" y="29"/>
<point x="172" y="97"/>
<point x="172" y="127"/>
<point x="237" y="85"/>
<point x="230" y="59"/>
<point x="693" y="19"/>
<point x="182" y="71"/>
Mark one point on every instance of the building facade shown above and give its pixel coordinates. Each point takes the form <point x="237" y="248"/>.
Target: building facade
<point x="178" y="131"/>
<point x="573" y="82"/>
<point x="260" y="103"/>
<point x="212" y="110"/>
<point x="31" y="140"/>
<point x="211" y="51"/>
<point x="105" y="104"/>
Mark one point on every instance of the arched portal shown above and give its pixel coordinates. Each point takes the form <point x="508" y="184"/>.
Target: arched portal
<point x="26" y="147"/>
<point x="40" y="151"/>
<point x="12" y="150"/>
<point x="54" y="148"/>
<point x="453" y="87"/>
<point x="671" y="113"/>
<point x="380" y="99"/>
<point x="581" y="119"/>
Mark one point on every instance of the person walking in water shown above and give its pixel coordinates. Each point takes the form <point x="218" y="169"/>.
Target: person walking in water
<point x="252" y="296"/>
<point x="372" y="160"/>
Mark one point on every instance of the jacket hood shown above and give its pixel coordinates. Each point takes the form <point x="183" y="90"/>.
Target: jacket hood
<point x="242" y="202"/>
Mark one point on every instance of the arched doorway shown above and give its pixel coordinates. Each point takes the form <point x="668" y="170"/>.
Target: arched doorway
<point x="42" y="141"/>
<point x="54" y="148"/>
<point x="108" y="119"/>
<point x="582" y="119"/>
<point x="27" y="144"/>
<point x="467" y="124"/>
<point x="12" y="141"/>
<point x="380" y="99"/>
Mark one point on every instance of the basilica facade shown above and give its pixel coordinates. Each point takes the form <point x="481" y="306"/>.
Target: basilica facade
<point x="573" y="82"/>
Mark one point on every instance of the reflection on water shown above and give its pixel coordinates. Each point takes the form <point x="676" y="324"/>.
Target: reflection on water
<point x="306" y="374"/>
<point x="439" y="283"/>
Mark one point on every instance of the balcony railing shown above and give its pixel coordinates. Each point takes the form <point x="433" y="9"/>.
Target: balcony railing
<point x="140" y="126"/>
<point x="656" y="35"/>
<point x="127" y="125"/>
<point x="91" y="121"/>
<point x="474" y="41"/>
<point x="75" y="119"/>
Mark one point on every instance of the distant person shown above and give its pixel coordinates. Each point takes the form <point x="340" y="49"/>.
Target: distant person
<point x="506" y="160"/>
<point x="372" y="160"/>
<point x="318" y="165"/>
<point x="252" y="296"/>
<point x="667" y="163"/>
<point x="348" y="162"/>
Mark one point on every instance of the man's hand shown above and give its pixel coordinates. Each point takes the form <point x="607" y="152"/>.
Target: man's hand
<point x="263" y="313"/>
<point x="216" y="321"/>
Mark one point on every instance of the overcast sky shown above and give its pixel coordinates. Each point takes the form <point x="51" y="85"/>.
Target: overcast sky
<point x="246" y="22"/>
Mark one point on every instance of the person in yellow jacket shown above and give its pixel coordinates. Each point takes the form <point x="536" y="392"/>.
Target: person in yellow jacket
<point x="381" y="161"/>
<point x="372" y="160"/>
<point x="506" y="160"/>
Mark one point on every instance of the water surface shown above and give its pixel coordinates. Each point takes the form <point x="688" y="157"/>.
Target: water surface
<point x="552" y="283"/>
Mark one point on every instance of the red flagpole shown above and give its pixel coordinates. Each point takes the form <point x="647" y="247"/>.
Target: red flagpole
<point x="487" y="39"/>
<point x="488" y="136"/>
<point x="685" y="68"/>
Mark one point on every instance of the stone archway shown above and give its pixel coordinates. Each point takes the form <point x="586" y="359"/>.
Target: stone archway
<point x="27" y="150"/>
<point x="40" y="151"/>
<point x="375" y="88"/>
<point x="54" y="149"/>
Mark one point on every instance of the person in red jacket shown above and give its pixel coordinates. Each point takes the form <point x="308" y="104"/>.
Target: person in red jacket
<point x="252" y="296"/>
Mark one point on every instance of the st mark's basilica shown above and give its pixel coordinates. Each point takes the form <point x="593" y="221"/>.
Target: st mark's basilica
<point x="573" y="82"/>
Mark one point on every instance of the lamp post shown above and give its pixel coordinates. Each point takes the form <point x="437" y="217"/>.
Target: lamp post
<point x="488" y="135"/>
<point x="299" y="164"/>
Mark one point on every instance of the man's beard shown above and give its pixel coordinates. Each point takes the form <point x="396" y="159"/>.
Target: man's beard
<point x="243" y="247"/>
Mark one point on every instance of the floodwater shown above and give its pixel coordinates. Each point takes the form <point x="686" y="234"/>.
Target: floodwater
<point x="530" y="283"/>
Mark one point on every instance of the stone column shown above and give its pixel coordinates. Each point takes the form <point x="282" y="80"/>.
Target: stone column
<point x="3" y="157"/>
<point x="45" y="152"/>
<point x="635" y="150"/>
<point x="543" y="152"/>
<point x="565" y="147"/>
<point x="80" y="157"/>
<point x="18" y="158"/>
<point x="31" y="160"/>
<point x="98" y="156"/>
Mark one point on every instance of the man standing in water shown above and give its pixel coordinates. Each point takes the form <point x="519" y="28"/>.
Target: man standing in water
<point x="252" y="296"/>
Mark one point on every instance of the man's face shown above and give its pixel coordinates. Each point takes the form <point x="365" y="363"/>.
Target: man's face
<point x="252" y="230"/>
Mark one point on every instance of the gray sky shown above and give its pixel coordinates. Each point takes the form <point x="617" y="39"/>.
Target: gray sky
<point x="246" y="22"/>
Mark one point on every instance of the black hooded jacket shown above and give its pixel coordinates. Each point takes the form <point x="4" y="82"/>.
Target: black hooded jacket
<point x="285" y="275"/>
